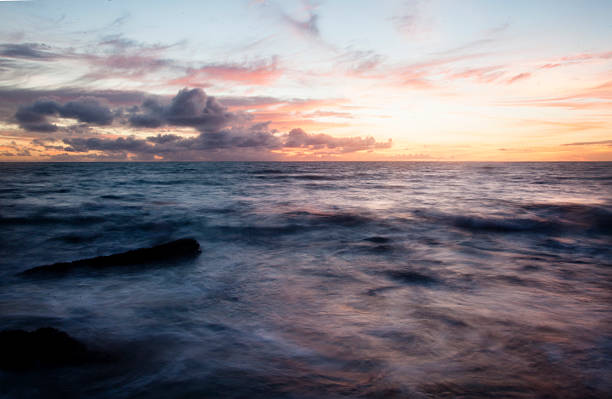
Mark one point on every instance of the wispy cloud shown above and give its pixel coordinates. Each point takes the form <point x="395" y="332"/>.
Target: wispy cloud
<point x="576" y="59"/>
<point x="256" y="73"/>
<point x="307" y="27"/>
<point x="520" y="76"/>
<point x="489" y="36"/>
<point x="599" y="96"/>
<point x="33" y="51"/>
<point x="412" y="19"/>
<point x="484" y="74"/>
<point x="601" y="142"/>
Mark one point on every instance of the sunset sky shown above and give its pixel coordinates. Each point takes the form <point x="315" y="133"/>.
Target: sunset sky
<point x="306" y="80"/>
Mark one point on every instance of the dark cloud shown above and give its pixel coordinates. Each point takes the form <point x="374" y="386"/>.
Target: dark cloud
<point x="253" y="137"/>
<point x="33" y="51"/>
<point x="129" y="144"/>
<point x="257" y="136"/>
<point x="87" y="110"/>
<point x="298" y="138"/>
<point x="42" y="107"/>
<point x="91" y="157"/>
<point x="146" y="120"/>
<point x="221" y="134"/>
<point x="188" y="108"/>
<point x="34" y="117"/>
<point x="255" y="101"/>
<point x="164" y="138"/>
<point x="10" y="96"/>
<point x="44" y="142"/>
<point x="42" y="127"/>
<point x="232" y="143"/>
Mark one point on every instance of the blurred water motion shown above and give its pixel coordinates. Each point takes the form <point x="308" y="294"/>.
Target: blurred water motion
<point x="318" y="279"/>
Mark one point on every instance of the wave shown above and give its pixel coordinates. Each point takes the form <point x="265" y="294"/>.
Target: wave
<point x="486" y="223"/>
<point x="78" y="220"/>
<point x="272" y="175"/>
<point x="269" y="172"/>
<point x="301" y="292"/>
<point x="591" y="217"/>
<point x="378" y="239"/>
<point x="250" y="233"/>
<point x="345" y="219"/>
<point x="292" y="223"/>
<point x="411" y="277"/>
<point x="476" y="223"/>
<point x="536" y="218"/>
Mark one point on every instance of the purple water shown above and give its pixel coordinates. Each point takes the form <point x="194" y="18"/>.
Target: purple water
<point x="317" y="280"/>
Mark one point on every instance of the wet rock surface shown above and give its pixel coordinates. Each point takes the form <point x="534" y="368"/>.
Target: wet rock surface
<point x="45" y="347"/>
<point x="183" y="248"/>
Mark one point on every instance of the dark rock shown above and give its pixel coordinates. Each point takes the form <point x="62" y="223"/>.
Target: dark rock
<point x="45" y="347"/>
<point x="183" y="248"/>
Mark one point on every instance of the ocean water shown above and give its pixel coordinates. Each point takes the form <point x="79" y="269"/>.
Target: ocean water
<point x="317" y="280"/>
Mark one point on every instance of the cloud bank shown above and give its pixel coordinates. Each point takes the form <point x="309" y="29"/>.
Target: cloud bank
<point x="189" y="108"/>
<point x="35" y="117"/>
<point x="220" y="133"/>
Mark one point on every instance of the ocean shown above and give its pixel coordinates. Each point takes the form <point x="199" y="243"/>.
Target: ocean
<point x="316" y="280"/>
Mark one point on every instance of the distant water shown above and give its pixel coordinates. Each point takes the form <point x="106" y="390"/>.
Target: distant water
<point x="318" y="280"/>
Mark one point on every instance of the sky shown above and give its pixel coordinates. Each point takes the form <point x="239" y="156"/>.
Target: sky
<point x="298" y="80"/>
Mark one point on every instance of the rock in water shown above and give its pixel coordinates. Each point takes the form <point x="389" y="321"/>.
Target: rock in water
<point x="45" y="347"/>
<point x="183" y="248"/>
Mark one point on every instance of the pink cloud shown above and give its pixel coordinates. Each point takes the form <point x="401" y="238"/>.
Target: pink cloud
<point x="576" y="59"/>
<point x="485" y="74"/>
<point x="300" y="112"/>
<point x="596" y="97"/>
<point x="258" y="74"/>
<point x="518" y="77"/>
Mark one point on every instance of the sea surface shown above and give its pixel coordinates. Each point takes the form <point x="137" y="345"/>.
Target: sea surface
<point x="317" y="280"/>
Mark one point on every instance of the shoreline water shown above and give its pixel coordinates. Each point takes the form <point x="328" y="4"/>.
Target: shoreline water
<point x="318" y="280"/>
